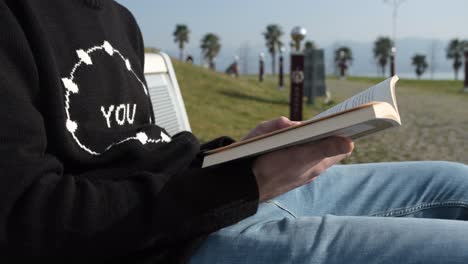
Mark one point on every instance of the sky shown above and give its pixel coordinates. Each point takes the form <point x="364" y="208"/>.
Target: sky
<point x="329" y="23"/>
<point x="241" y="21"/>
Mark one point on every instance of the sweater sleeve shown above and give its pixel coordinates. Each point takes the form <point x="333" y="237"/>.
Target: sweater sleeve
<point x="108" y="211"/>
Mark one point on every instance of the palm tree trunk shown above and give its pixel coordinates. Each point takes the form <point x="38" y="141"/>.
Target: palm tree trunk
<point x="456" y="74"/>
<point x="181" y="47"/>
<point x="212" y="65"/>
<point x="273" y="63"/>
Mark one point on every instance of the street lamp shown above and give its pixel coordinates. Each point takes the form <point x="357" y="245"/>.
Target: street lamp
<point x="262" y="67"/>
<point x="281" y="68"/>
<point x="392" y="61"/>
<point x="236" y="66"/>
<point x="342" y="64"/>
<point x="395" y="5"/>
<point x="465" y="51"/>
<point x="298" y="34"/>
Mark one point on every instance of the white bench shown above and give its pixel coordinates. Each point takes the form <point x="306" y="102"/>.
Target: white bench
<point x="168" y="105"/>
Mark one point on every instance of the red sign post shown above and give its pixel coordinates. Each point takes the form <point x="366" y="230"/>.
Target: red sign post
<point x="297" y="86"/>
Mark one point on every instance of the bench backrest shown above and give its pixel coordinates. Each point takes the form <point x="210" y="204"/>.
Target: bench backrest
<point x="168" y="105"/>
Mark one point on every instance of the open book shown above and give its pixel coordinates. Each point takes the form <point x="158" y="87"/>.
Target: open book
<point x="368" y="112"/>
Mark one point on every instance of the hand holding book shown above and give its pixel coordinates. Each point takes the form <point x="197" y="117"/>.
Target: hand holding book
<point x="368" y="112"/>
<point x="282" y="171"/>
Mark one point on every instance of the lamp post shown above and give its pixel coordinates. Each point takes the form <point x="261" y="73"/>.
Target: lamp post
<point x="261" y="70"/>
<point x="297" y="75"/>
<point x="298" y="34"/>
<point x="281" y="68"/>
<point x="392" y="61"/>
<point x="342" y="64"/>
<point x="395" y="5"/>
<point x="465" y="51"/>
<point x="236" y="66"/>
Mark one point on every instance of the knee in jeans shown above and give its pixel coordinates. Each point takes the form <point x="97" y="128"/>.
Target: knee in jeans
<point x="452" y="173"/>
<point x="451" y="168"/>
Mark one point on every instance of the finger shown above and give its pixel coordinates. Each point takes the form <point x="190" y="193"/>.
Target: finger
<point x="333" y="146"/>
<point x="281" y="122"/>
<point x="322" y="166"/>
<point x="270" y="126"/>
<point x="330" y="161"/>
<point x="309" y="154"/>
<point x="273" y="125"/>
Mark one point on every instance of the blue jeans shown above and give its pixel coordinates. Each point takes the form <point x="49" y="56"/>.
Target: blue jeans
<point x="406" y="212"/>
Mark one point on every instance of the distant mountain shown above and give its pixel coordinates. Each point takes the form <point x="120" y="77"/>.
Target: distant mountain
<point x="363" y="64"/>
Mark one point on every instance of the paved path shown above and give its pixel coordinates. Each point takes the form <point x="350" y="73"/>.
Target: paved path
<point x="435" y="127"/>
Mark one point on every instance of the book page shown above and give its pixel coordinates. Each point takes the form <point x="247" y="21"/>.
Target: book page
<point x="382" y="92"/>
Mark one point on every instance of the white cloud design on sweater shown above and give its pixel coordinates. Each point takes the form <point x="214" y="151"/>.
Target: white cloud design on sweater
<point x="72" y="88"/>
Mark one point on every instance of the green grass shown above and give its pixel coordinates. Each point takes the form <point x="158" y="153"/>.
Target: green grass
<point x="219" y="105"/>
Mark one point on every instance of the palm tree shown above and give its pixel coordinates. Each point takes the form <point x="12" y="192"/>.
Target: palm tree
<point x="420" y="64"/>
<point x="309" y="45"/>
<point x="382" y="49"/>
<point x="210" y="48"/>
<point x="272" y="36"/>
<point x="181" y="36"/>
<point x="455" y="52"/>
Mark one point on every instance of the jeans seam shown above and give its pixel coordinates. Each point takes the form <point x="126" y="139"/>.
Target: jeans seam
<point x="281" y="207"/>
<point x="420" y="207"/>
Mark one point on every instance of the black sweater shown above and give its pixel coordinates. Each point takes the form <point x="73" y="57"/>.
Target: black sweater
<point x="83" y="168"/>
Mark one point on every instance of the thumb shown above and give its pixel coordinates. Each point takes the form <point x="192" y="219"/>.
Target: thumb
<point x="284" y="122"/>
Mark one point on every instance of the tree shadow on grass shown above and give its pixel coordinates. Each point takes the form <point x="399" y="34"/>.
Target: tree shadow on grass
<point x="238" y="95"/>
